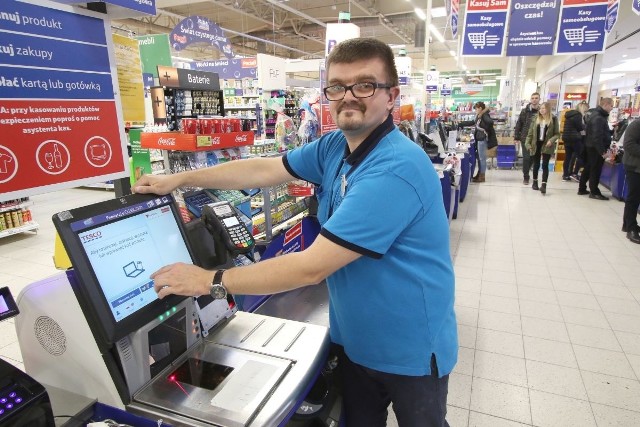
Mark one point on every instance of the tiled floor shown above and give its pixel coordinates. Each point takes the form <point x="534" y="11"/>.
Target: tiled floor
<point x="547" y="302"/>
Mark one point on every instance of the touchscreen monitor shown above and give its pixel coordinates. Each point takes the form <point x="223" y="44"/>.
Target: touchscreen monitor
<point x="114" y="247"/>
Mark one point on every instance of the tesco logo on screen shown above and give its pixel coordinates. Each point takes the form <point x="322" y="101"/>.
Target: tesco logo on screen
<point x="91" y="236"/>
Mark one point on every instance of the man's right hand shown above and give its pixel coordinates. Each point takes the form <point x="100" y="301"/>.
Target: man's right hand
<point x="156" y="184"/>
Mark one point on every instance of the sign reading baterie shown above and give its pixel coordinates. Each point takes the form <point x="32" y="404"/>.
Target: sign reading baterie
<point x="59" y="119"/>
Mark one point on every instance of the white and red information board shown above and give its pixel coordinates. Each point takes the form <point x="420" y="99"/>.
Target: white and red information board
<point x="60" y="121"/>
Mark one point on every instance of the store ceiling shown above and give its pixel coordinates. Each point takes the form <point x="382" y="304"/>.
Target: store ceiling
<point x="296" y="28"/>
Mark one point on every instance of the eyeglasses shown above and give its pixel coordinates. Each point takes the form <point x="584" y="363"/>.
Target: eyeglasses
<point x="358" y="90"/>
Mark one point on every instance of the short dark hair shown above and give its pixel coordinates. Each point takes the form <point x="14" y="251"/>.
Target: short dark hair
<point x="359" y="49"/>
<point x="535" y="93"/>
<point x="479" y="104"/>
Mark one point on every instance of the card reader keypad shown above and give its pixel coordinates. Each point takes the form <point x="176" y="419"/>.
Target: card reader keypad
<point x="10" y="399"/>
<point x="240" y="237"/>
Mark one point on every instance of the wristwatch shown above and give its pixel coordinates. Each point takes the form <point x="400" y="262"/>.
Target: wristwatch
<point x="218" y="291"/>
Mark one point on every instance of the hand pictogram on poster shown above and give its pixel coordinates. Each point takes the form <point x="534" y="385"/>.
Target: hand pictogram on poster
<point x="98" y="151"/>
<point x="53" y="157"/>
<point x="8" y="164"/>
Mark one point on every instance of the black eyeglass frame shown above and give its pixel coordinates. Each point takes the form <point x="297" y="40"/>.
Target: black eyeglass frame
<point x="375" y="85"/>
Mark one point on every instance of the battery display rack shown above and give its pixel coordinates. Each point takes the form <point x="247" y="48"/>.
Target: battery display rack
<point x="171" y="105"/>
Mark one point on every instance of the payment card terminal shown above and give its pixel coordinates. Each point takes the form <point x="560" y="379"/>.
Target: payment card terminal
<point x="221" y="219"/>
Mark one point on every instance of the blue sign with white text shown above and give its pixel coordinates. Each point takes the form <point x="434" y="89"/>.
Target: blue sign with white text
<point x="144" y="6"/>
<point x="612" y="16"/>
<point x="532" y="27"/>
<point x="52" y="84"/>
<point x="199" y="29"/>
<point x="582" y="29"/>
<point x="29" y="19"/>
<point x="29" y="51"/>
<point x="484" y="34"/>
<point x="226" y="68"/>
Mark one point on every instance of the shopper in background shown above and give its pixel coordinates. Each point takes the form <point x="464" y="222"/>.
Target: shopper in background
<point x="597" y="142"/>
<point x="541" y="143"/>
<point x="572" y="136"/>
<point x="631" y="161"/>
<point x="389" y="274"/>
<point x="484" y="135"/>
<point x="620" y="126"/>
<point x="527" y="115"/>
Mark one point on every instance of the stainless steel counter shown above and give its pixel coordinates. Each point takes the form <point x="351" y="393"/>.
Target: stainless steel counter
<point x="309" y="304"/>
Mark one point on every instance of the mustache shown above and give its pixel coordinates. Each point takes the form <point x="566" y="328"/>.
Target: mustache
<point x="351" y="104"/>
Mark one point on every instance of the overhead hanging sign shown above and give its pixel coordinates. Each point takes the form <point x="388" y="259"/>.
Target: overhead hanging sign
<point x="582" y="27"/>
<point x="198" y="29"/>
<point x="431" y="81"/>
<point x="60" y="123"/>
<point x="187" y="79"/>
<point x="145" y="6"/>
<point x="229" y="68"/>
<point x="612" y="15"/>
<point x="339" y="32"/>
<point x="446" y="88"/>
<point x="484" y="28"/>
<point x="453" y="17"/>
<point x="532" y="27"/>
<point x="635" y="6"/>
<point x="403" y="66"/>
<point x="154" y="51"/>
<point x="271" y="72"/>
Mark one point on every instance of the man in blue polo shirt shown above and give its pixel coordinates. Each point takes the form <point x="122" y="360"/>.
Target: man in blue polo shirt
<point x="383" y="248"/>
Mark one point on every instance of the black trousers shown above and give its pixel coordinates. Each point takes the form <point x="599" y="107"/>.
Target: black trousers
<point x="632" y="201"/>
<point x="417" y="401"/>
<point x="591" y="172"/>
<point x="536" y="162"/>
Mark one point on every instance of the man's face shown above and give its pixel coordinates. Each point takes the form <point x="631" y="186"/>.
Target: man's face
<point x="535" y="100"/>
<point x="607" y="107"/>
<point x="358" y="116"/>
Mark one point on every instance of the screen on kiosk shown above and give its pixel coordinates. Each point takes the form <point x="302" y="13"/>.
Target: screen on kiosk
<point x="124" y="250"/>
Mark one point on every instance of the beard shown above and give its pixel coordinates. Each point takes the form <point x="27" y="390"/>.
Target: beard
<point x="348" y="121"/>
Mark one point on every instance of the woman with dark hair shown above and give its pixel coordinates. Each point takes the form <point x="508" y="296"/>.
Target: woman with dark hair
<point x="541" y="142"/>
<point x="484" y="135"/>
<point x="573" y="136"/>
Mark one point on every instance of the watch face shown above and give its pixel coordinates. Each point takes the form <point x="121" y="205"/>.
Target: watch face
<point x="218" y="292"/>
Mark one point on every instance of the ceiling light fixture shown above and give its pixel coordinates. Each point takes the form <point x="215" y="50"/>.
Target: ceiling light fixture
<point x="420" y="13"/>
<point x="438" y="12"/>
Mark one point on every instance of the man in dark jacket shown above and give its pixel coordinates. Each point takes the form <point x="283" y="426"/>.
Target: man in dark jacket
<point x="527" y="115"/>
<point x="597" y="142"/>
<point x="572" y="137"/>
<point x="631" y="161"/>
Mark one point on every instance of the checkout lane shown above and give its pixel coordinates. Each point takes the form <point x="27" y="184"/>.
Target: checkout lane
<point x="155" y="361"/>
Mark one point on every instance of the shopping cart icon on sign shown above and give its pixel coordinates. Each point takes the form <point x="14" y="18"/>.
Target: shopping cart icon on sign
<point x="480" y="40"/>
<point x="579" y="35"/>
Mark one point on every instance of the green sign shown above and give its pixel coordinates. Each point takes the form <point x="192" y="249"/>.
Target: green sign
<point x="140" y="158"/>
<point x="154" y="51"/>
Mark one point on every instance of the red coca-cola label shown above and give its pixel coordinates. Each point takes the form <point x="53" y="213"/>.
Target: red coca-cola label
<point x="241" y="138"/>
<point x="215" y="140"/>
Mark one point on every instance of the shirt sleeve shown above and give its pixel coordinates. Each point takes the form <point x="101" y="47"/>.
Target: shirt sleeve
<point x="307" y="162"/>
<point x="368" y="220"/>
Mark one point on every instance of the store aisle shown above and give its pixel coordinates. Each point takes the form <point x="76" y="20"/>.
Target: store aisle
<point x="547" y="303"/>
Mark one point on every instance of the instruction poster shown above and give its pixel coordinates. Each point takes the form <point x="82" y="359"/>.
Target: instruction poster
<point x="59" y="120"/>
<point x="582" y="27"/>
<point x="484" y="27"/>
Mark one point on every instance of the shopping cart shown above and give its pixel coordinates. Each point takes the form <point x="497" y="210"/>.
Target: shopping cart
<point x="478" y="40"/>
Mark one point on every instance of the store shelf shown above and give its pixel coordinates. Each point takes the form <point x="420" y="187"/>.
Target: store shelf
<point x="240" y="107"/>
<point x="31" y="226"/>
<point x="15" y="207"/>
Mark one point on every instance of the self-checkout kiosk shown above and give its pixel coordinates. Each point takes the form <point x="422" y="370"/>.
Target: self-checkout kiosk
<point x="99" y="329"/>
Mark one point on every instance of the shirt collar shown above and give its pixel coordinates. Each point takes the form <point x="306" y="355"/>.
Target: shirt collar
<point x="369" y="143"/>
